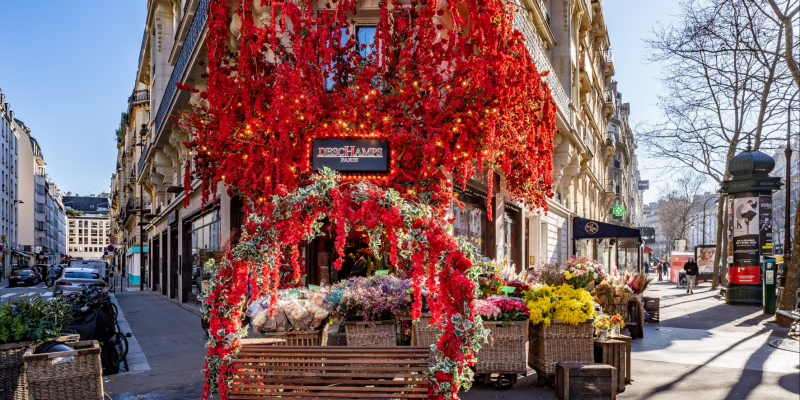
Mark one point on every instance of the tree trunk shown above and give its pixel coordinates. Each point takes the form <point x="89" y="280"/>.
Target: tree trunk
<point x="725" y="244"/>
<point x="718" y="251"/>
<point x="793" y="273"/>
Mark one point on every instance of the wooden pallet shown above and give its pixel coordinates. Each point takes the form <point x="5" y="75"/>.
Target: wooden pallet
<point x="264" y="371"/>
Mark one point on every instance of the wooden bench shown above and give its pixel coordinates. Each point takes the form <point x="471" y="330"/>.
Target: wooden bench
<point x="795" y="315"/>
<point x="263" y="371"/>
<point x="580" y="381"/>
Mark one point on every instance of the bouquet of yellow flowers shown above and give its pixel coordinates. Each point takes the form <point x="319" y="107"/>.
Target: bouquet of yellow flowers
<point x="602" y="323"/>
<point x="570" y="305"/>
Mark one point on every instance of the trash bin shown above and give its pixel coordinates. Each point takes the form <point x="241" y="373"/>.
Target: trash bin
<point x="769" y="280"/>
<point x="682" y="279"/>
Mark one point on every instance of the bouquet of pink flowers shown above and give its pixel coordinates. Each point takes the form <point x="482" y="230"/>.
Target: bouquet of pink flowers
<point x="502" y="308"/>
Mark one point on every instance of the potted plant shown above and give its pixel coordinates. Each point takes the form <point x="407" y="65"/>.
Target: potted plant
<point x="506" y="319"/>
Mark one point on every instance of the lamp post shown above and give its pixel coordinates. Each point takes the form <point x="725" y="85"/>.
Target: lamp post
<point x="142" y="133"/>
<point x="787" y="247"/>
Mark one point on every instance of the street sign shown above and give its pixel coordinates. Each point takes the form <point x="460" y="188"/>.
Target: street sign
<point x="41" y="253"/>
<point x="3" y="238"/>
<point x="618" y="210"/>
<point x="110" y="249"/>
<point x="644" y="185"/>
<point x="2" y="248"/>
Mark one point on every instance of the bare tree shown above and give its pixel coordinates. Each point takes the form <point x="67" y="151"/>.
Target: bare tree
<point x="678" y="205"/>
<point x="726" y="83"/>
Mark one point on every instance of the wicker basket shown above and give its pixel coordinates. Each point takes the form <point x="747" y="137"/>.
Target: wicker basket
<point x="505" y="353"/>
<point x="651" y="305"/>
<point x="13" y="385"/>
<point x="317" y="337"/>
<point x="559" y="343"/>
<point x="423" y="333"/>
<point x="67" y="375"/>
<point x="370" y="333"/>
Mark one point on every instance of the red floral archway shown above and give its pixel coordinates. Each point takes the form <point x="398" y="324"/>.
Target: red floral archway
<point x="449" y="84"/>
<point x="433" y="258"/>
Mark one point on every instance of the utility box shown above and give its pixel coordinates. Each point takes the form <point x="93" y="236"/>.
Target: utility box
<point x="769" y="282"/>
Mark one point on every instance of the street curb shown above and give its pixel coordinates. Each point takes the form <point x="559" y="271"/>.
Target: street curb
<point x="137" y="361"/>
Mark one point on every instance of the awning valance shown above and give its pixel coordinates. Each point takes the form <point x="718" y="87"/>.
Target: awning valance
<point x="583" y="228"/>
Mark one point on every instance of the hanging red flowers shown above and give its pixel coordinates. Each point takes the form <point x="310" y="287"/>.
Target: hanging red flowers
<point x="449" y="84"/>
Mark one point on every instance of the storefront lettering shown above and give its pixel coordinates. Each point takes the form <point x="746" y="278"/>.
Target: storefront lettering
<point x="351" y="154"/>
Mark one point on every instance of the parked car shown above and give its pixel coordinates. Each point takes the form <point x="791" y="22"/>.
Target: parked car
<point x="73" y="279"/>
<point x="23" y="275"/>
<point x="98" y="265"/>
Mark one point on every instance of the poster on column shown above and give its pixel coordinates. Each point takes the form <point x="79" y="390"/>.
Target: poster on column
<point x="745" y="240"/>
<point x="765" y="225"/>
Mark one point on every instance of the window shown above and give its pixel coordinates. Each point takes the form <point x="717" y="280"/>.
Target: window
<point x="472" y="222"/>
<point x="330" y="81"/>
<point x="40" y="207"/>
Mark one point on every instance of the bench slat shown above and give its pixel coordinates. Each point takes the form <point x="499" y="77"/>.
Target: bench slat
<point x="350" y="361"/>
<point x="355" y="374"/>
<point x="330" y="368"/>
<point x="305" y="395"/>
<point x="321" y="380"/>
<point x="388" y="388"/>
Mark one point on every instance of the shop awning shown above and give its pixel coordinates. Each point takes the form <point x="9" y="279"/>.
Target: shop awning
<point x="648" y="250"/>
<point x="583" y="228"/>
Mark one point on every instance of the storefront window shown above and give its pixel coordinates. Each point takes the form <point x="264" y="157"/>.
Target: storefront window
<point x="472" y="223"/>
<point x="511" y="238"/>
<point x="205" y="246"/>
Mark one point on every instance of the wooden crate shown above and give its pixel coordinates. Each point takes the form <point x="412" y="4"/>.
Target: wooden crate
<point x="583" y="381"/>
<point x="613" y="353"/>
<point x="651" y="305"/>
<point x="66" y="375"/>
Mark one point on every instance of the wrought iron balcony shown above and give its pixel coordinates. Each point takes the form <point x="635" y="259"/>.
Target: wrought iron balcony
<point x="140" y="165"/>
<point x="139" y="97"/>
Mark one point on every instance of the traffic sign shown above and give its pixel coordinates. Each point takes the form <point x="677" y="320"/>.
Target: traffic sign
<point x="2" y="248"/>
<point x="110" y="248"/>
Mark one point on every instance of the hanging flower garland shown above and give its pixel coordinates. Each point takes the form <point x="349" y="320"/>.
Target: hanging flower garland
<point x="416" y="239"/>
<point x="450" y="84"/>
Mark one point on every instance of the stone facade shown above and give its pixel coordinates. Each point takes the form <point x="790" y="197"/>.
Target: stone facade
<point x="10" y="134"/>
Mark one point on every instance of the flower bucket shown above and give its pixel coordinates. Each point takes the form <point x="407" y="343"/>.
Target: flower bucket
<point x="371" y="333"/>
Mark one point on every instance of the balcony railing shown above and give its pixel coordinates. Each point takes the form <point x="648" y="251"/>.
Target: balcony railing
<point x="139" y="97"/>
<point x="140" y="165"/>
<point x="141" y="51"/>
<point x="198" y="22"/>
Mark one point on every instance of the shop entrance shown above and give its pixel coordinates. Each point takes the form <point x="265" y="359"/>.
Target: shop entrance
<point x="154" y="273"/>
<point x="359" y="258"/>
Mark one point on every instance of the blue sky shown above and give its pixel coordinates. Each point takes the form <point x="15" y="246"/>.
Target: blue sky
<point x="67" y="69"/>
<point x="638" y="80"/>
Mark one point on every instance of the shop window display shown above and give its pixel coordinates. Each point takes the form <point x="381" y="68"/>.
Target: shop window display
<point x="205" y="245"/>
<point x="472" y="222"/>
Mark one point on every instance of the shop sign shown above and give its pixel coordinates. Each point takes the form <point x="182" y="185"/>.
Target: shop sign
<point x="351" y="154"/>
<point x="618" y="210"/>
<point x="644" y="185"/>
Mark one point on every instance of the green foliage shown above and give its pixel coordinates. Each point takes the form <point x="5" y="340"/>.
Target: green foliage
<point x="121" y="129"/>
<point x="33" y="319"/>
<point x="74" y="213"/>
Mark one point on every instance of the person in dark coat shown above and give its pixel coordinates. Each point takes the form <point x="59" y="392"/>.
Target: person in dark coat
<point x="692" y="270"/>
<point x="360" y="268"/>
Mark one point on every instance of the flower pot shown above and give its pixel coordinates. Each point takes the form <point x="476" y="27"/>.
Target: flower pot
<point x="614" y="332"/>
<point x="506" y="351"/>
<point x="559" y="343"/>
<point x="602" y="336"/>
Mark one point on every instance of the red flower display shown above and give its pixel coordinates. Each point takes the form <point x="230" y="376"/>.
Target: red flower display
<point x="449" y="84"/>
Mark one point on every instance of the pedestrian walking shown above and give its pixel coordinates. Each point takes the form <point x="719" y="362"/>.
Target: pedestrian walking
<point x="52" y="275"/>
<point x="660" y="270"/>
<point x="647" y="268"/>
<point x="691" y="269"/>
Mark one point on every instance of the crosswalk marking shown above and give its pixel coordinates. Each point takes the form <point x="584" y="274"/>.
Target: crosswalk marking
<point x="7" y="295"/>
<point x="47" y="294"/>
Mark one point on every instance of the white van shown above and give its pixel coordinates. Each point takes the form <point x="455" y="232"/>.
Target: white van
<point x="99" y="267"/>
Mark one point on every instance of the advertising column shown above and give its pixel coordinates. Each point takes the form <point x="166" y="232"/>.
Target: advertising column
<point x="746" y="238"/>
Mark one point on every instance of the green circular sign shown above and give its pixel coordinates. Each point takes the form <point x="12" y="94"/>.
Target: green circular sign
<point x="618" y="210"/>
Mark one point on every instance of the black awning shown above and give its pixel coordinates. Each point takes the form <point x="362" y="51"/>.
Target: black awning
<point x="583" y="228"/>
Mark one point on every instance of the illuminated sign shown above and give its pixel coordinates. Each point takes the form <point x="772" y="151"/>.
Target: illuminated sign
<point x="618" y="210"/>
<point x="350" y="154"/>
